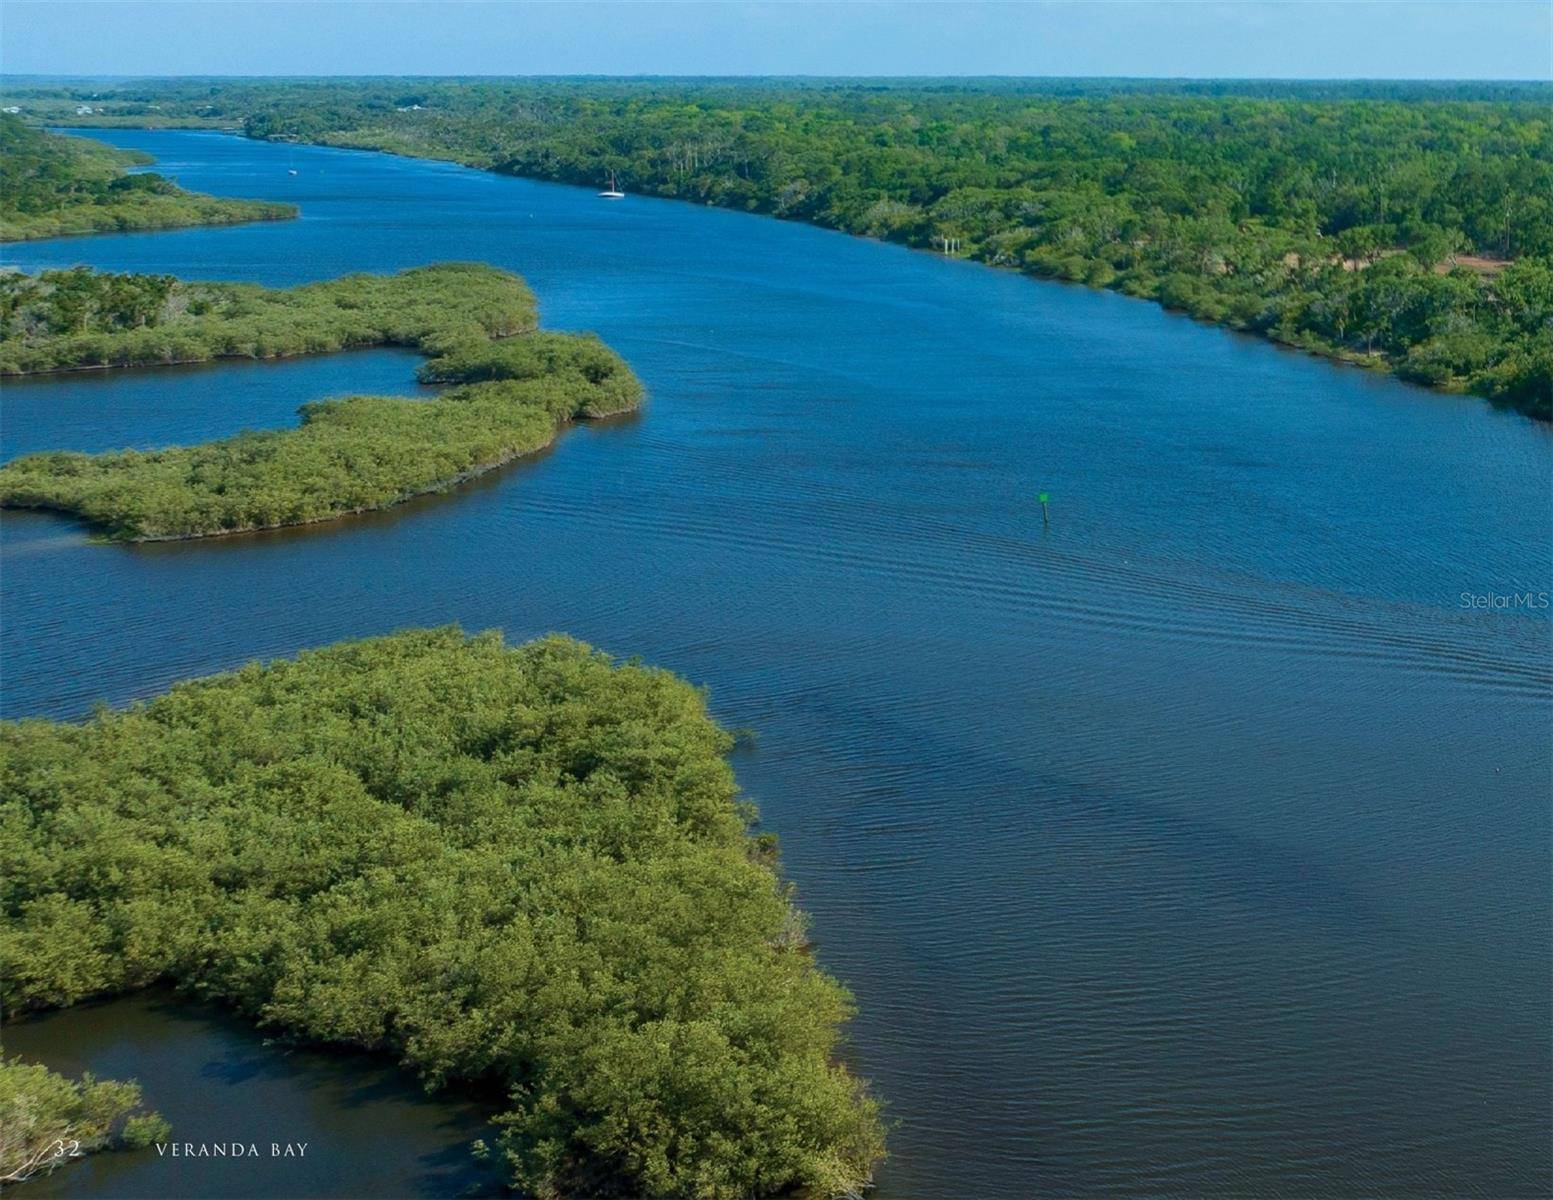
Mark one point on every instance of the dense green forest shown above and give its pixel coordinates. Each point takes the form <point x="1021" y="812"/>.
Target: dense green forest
<point x="1407" y="226"/>
<point x="526" y="868"/>
<point x="78" y="318"/>
<point x="47" y="1120"/>
<point x="51" y="186"/>
<point x="349" y="455"/>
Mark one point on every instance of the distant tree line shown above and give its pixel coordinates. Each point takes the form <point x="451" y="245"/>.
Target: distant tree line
<point x="1405" y="226"/>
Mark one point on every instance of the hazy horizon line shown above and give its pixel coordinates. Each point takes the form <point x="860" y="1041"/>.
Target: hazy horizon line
<point x="646" y="75"/>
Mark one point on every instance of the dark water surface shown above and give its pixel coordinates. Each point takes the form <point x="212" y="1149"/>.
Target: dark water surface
<point x="1199" y="845"/>
<point x="294" y="1122"/>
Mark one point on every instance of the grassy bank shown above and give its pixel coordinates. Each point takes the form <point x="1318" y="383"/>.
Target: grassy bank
<point x="526" y="867"/>
<point x="58" y="186"/>
<point x="349" y="455"/>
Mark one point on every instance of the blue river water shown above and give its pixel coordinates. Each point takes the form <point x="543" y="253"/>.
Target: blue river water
<point x="1196" y="845"/>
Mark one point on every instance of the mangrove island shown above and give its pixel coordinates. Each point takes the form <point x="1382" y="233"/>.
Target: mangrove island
<point x="348" y="455"/>
<point x="526" y="868"/>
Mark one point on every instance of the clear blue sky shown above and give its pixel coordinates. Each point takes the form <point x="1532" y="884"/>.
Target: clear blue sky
<point x="1404" y="39"/>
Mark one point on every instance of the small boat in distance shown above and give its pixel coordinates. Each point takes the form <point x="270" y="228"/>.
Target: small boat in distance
<point x="612" y="192"/>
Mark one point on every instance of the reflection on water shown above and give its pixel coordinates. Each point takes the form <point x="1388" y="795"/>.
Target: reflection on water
<point x="1197" y="845"/>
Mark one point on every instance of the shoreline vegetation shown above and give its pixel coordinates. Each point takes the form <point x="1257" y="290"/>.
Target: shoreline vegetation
<point x="1403" y="227"/>
<point x="79" y="318"/>
<point x="47" y="1120"/>
<point x="57" y="186"/>
<point x="516" y="386"/>
<point x="524" y="868"/>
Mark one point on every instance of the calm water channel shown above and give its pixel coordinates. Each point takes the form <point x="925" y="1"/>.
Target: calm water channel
<point x="1197" y="845"/>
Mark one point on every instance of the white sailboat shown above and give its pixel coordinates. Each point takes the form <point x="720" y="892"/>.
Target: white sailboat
<point x="612" y="192"/>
